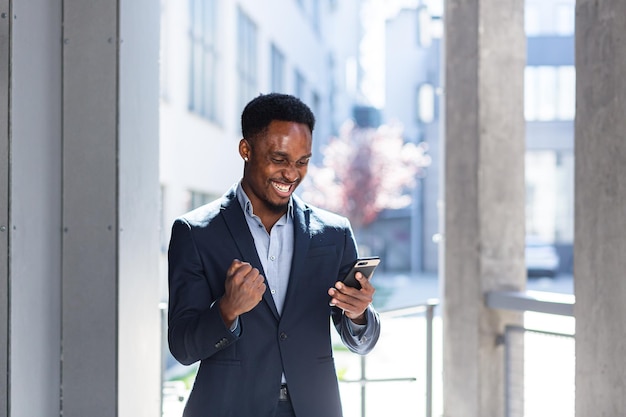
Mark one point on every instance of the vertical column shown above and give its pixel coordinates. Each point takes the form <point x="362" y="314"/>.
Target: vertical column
<point x="600" y="207"/>
<point x="90" y="208"/>
<point x="5" y="36"/>
<point x="111" y="330"/>
<point x="139" y="316"/>
<point x="484" y="196"/>
<point x="35" y="135"/>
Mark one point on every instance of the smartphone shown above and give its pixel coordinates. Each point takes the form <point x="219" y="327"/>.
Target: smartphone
<point x="366" y="266"/>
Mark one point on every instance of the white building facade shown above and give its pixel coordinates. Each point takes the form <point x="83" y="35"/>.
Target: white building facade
<point x="413" y="41"/>
<point x="216" y="55"/>
<point x="413" y="69"/>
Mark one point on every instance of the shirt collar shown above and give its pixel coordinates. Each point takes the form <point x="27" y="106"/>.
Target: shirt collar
<point x="246" y="204"/>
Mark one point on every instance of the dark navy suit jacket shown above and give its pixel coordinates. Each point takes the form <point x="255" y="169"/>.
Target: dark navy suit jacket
<point x="241" y="376"/>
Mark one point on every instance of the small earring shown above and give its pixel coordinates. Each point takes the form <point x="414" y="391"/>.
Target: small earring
<point x="245" y="159"/>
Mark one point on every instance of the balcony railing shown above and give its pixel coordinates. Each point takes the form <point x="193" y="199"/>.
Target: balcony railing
<point x="427" y="310"/>
<point x="539" y="361"/>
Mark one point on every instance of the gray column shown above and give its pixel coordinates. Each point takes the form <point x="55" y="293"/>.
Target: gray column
<point x="110" y="321"/>
<point x="79" y="204"/>
<point x="600" y="208"/>
<point x="35" y="208"/>
<point x="484" y="196"/>
<point x="90" y="200"/>
<point x="5" y="30"/>
<point x="139" y="208"/>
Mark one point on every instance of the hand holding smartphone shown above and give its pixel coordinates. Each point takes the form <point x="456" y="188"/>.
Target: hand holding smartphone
<point x="366" y="266"/>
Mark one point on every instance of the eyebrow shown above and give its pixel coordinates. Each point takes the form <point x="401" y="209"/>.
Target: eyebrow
<point x="285" y="155"/>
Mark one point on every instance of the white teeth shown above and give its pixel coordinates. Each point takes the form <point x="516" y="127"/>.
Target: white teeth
<point x="281" y="187"/>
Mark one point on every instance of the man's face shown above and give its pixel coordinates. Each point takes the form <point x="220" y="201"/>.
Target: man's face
<point x="276" y="164"/>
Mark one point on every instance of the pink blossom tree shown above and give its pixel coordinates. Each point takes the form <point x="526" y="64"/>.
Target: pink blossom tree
<point x="364" y="172"/>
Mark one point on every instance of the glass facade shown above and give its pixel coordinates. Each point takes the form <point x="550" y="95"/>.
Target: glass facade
<point x="549" y="109"/>
<point x="246" y="58"/>
<point x="277" y="73"/>
<point x="203" y="58"/>
<point x="550" y="93"/>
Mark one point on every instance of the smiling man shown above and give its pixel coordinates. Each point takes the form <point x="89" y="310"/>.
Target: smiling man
<point x="254" y="278"/>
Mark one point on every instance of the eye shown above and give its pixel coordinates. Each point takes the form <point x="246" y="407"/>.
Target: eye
<point x="278" y="161"/>
<point x="303" y="162"/>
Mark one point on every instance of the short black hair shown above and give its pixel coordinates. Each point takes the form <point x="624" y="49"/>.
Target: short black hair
<point x="263" y="109"/>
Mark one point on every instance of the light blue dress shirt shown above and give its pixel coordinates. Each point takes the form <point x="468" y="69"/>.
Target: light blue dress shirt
<point x="275" y="249"/>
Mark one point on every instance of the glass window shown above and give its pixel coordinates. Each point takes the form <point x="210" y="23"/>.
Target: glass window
<point x="424" y="34"/>
<point x="529" y="94"/>
<point x="541" y="194"/>
<point x="549" y="93"/>
<point x="316" y="106"/>
<point x="246" y="58"/>
<point x="564" y="204"/>
<point x="425" y="103"/>
<point x="566" y="98"/>
<point x="316" y="103"/>
<point x="532" y="24"/>
<point x="550" y="195"/>
<point x="299" y="86"/>
<point x="546" y="83"/>
<point x="199" y="198"/>
<point x="203" y="58"/>
<point x="315" y="15"/>
<point x="565" y="19"/>
<point x="278" y="69"/>
<point x="332" y="93"/>
<point x="548" y="18"/>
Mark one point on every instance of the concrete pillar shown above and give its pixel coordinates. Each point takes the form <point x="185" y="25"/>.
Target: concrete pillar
<point x="79" y="209"/>
<point x="484" y="196"/>
<point x="600" y="208"/>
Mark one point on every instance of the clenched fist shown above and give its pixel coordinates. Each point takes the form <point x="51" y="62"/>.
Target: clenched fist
<point x="244" y="288"/>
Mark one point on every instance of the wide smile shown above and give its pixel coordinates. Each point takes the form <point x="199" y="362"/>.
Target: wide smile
<point x="282" y="188"/>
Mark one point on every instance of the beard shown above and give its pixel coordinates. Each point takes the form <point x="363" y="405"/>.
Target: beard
<point x="277" y="208"/>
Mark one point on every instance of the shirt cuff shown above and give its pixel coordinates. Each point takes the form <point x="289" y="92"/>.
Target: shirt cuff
<point x="235" y="328"/>
<point x="356" y="329"/>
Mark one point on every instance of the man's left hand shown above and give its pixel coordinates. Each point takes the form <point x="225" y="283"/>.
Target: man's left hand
<point x="353" y="302"/>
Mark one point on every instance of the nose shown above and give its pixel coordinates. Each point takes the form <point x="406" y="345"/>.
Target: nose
<point x="291" y="173"/>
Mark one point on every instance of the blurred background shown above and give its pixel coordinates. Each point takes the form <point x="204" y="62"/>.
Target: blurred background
<point x="371" y="70"/>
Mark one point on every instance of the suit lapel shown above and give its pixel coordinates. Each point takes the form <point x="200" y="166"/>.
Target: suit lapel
<point x="301" y="243"/>
<point x="238" y="228"/>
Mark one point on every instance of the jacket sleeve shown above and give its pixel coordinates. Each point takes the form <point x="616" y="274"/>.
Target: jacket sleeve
<point x="361" y="342"/>
<point x="195" y="327"/>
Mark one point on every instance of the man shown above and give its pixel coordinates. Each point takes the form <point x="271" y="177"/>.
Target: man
<point x="253" y="280"/>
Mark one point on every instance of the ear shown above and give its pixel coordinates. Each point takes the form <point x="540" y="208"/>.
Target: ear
<point x="244" y="149"/>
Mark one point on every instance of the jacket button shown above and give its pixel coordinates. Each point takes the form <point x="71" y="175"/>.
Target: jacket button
<point x="221" y="343"/>
<point x="283" y="336"/>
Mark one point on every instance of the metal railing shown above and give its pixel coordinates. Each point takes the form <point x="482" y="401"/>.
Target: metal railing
<point x="537" y="301"/>
<point x="428" y="309"/>
<point x="537" y="363"/>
